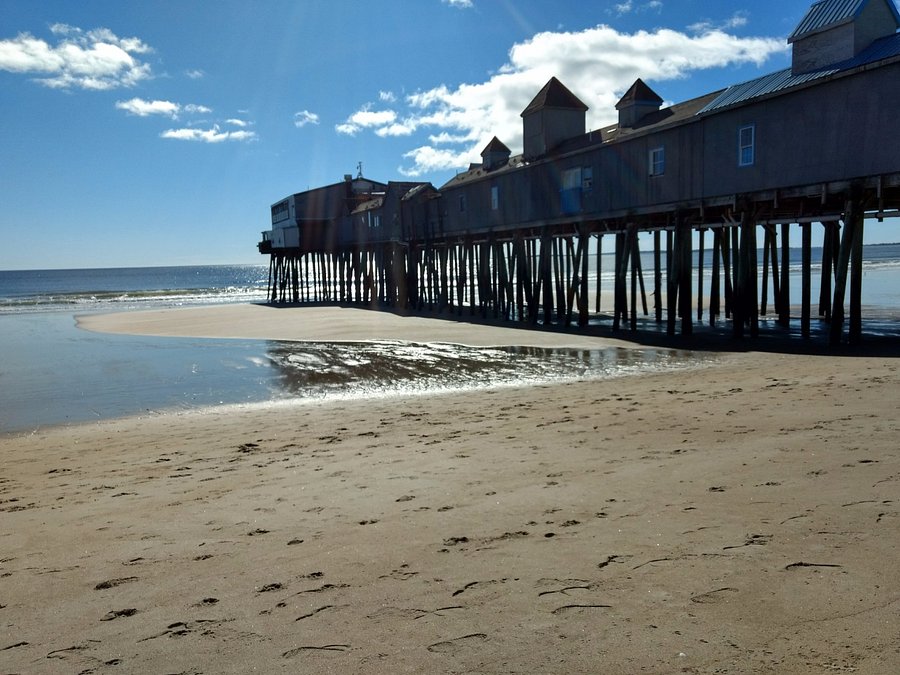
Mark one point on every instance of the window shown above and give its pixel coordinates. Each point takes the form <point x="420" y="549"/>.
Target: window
<point x="571" y="179"/>
<point x="495" y="198"/>
<point x="658" y="161"/>
<point x="570" y="194"/>
<point x="747" y="145"/>
<point x="462" y="203"/>
<point x="587" y="178"/>
<point x="280" y="211"/>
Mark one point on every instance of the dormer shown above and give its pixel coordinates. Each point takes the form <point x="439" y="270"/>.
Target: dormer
<point x="495" y="155"/>
<point x="836" y="30"/>
<point x="553" y="116"/>
<point x="637" y="102"/>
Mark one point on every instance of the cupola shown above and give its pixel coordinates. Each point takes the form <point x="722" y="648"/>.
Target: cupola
<point x="553" y="116"/>
<point x="837" y="30"/>
<point x="494" y="155"/>
<point x="637" y="102"/>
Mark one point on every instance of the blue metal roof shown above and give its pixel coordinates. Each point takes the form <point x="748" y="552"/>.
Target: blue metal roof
<point x="827" y="13"/>
<point x="783" y="79"/>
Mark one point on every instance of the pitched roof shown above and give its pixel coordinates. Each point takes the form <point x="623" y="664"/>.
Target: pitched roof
<point x="827" y="14"/>
<point x="496" y="145"/>
<point x="639" y="92"/>
<point x="554" y="95"/>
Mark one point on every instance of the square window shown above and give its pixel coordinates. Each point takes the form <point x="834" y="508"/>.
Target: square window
<point x="747" y="145"/>
<point x="571" y="179"/>
<point x="587" y="178"/>
<point x="657" y="161"/>
<point x="495" y="198"/>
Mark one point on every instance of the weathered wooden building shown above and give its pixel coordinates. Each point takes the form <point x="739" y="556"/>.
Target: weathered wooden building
<point x="813" y="143"/>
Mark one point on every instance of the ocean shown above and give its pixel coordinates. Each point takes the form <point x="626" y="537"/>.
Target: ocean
<point x="52" y="372"/>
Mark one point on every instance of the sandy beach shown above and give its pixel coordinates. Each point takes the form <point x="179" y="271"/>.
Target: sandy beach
<point x="742" y="517"/>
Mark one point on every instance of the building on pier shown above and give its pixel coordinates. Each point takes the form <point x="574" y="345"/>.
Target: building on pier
<point x="815" y="142"/>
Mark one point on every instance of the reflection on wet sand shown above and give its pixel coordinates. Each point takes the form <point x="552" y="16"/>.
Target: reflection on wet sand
<point x="354" y="370"/>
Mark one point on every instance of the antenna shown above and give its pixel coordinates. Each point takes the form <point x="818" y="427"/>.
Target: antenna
<point x="359" y="169"/>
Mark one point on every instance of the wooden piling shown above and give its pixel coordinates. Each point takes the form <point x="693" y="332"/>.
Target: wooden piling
<point x="701" y="233"/>
<point x="685" y="289"/>
<point x="657" y="276"/>
<point x="715" y="283"/>
<point x="784" y="303"/>
<point x="805" y="292"/>
<point x="852" y="221"/>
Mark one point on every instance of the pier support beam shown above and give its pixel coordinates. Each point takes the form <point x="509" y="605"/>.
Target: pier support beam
<point x="851" y="248"/>
<point x="784" y="302"/>
<point x="685" y="279"/>
<point x="715" y="283"/>
<point x="657" y="276"/>
<point x="806" y="287"/>
<point x="746" y="305"/>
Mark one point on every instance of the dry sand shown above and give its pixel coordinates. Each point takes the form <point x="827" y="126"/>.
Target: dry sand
<point x="738" y="518"/>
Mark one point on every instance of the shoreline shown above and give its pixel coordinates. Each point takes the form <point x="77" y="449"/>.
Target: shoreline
<point x="103" y="366"/>
<point x="330" y="324"/>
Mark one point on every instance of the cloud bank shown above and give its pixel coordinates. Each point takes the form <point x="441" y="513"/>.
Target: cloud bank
<point x="597" y="64"/>
<point x="95" y="59"/>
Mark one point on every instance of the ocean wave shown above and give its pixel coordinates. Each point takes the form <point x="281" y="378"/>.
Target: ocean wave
<point x="116" y="300"/>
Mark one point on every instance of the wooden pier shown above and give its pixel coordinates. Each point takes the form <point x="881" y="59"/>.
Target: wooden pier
<point x="542" y="275"/>
<point x="519" y="238"/>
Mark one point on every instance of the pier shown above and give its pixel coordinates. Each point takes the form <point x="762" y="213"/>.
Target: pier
<point x="743" y="173"/>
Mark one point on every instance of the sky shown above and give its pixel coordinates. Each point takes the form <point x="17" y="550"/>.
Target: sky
<point x="139" y="134"/>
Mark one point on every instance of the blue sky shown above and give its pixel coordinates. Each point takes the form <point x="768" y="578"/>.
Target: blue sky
<point x="159" y="133"/>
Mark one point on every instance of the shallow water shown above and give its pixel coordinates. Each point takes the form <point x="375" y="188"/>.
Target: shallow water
<point x="55" y="373"/>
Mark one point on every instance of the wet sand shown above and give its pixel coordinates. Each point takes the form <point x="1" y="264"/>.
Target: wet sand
<point x="740" y="517"/>
<point x="324" y="324"/>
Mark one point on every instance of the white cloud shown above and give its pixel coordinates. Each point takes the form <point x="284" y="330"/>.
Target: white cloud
<point x="195" y="74"/>
<point x="405" y="128"/>
<point x="598" y="64"/>
<point x="628" y="6"/>
<point x="426" y="158"/>
<point x="365" y="118"/>
<point x="304" y="117"/>
<point x="387" y="97"/>
<point x="194" y="109"/>
<point x="462" y="4"/>
<point x="737" y="20"/>
<point x="213" y="135"/>
<point x="142" y="108"/>
<point x="237" y="123"/>
<point x="95" y="59"/>
<point x="346" y="129"/>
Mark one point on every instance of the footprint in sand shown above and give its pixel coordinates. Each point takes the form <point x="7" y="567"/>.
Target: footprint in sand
<point x="718" y="595"/>
<point x="117" y="613"/>
<point x="456" y="645"/>
<point x="112" y="583"/>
